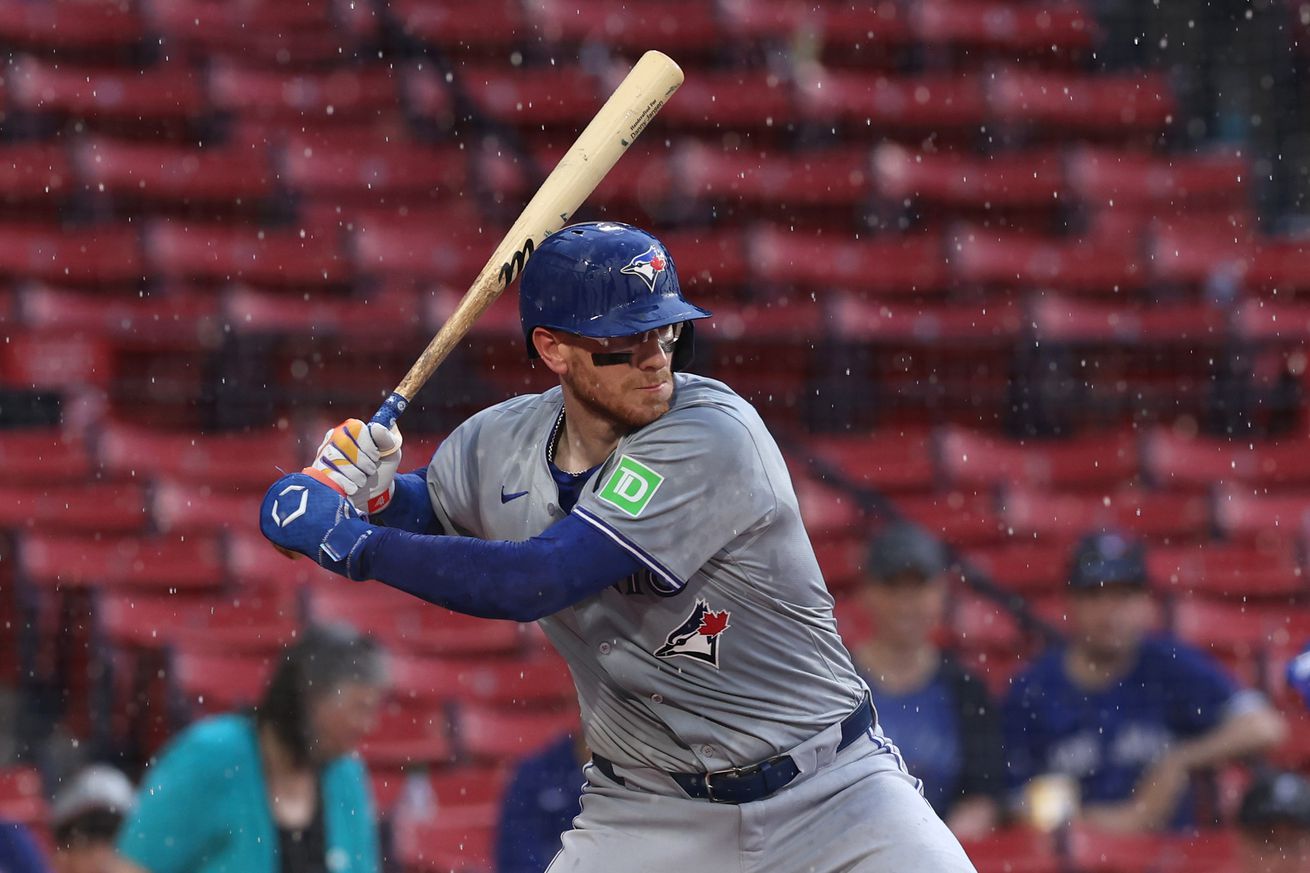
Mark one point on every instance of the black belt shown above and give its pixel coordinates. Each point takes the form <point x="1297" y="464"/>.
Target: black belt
<point x="758" y="781"/>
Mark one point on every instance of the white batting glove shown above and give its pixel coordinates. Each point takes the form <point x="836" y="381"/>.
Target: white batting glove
<point x="360" y="460"/>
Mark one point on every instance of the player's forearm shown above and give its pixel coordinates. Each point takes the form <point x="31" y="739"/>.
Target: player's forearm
<point x="522" y="581"/>
<point x="1248" y="732"/>
<point x="410" y="507"/>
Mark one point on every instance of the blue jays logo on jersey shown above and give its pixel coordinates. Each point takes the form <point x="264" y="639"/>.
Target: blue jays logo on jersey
<point x="648" y="265"/>
<point x="698" y="636"/>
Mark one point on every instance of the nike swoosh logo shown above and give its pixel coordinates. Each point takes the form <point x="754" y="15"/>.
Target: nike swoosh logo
<point x="506" y="498"/>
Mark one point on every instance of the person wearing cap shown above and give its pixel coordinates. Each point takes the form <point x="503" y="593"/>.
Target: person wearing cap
<point x="85" y="818"/>
<point x="939" y="715"/>
<point x="1274" y="823"/>
<point x="1127" y="715"/>
<point x="276" y="790"/>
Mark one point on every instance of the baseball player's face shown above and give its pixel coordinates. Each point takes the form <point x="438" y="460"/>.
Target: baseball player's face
<point x="907" y="608"/>
<point x="1110" y="622"/>
<point x="632" y="392"/>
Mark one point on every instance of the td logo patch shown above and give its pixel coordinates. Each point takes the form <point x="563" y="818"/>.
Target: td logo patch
<point x="631" y="486"/>
<point x="698" y="636"/>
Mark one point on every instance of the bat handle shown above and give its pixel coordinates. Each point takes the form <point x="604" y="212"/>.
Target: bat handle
<point x="390" y="409"/>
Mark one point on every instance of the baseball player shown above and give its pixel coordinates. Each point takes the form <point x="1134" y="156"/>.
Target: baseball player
<point x="646" y="518"/>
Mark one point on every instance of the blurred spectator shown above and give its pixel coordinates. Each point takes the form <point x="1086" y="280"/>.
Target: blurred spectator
<point x="1274" y="821"/>
<point x="86" y="816"/>
<point x="19" y="852"/>
<point x="1298" y="675"/>
<point x="1128" y="715"/>
<point x="937" y="713"/>
<point x="276" y="790"/>
<point x="539" y="805"/>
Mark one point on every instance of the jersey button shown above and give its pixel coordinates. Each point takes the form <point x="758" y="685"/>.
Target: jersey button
<point x="708" y="751"/>
<point x="603" y="648"/>
<point x="657" y="698"/>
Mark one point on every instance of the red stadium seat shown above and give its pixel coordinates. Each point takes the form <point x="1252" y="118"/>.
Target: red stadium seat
<point x="22" y="796"/>
<point x="731" y="100"/>
<point x="963" y="520"/>
<point x="255" y="623"/>
<point x="683" y="27"/>
<point x="439" y="847"/>
<point x="339" y="96"/>
<point x="885" y="460"/>
<point x="975" y="460"/>
<point x="178" y="321"/>
<point x="1065" y="516"/>
<point x="1063" y="320"/>
<point x="1094" y="851"/>
<point x="1014" y="850"/>
<point x="1025" y="566"/>
<point x="1066" y="106"/>
<point x="529" y="97"/>
<point x="1102" y="177"/>
<point x="539" y="682"/>
<point x="854" y="34"/>
<point x="405" y="623"/>
<point x="870" y="104"/>
<point x="825" y="178"/>
<point x="1243" y="515"/>
<point x="184" y="509"/>
<point x="646" y="181"/>
<point x="159" y="564"/>
<point x="375" y="317"/>
<point x="494" y="734"/>
<point x="92" y="507"/>
<point x="43" y="456"/>
<point x="426" y="95"/>
<point x="1190" y="256"/>
<point x="1003" y="259"/>
<point x="1021" y="180"/>
<point x="710" y="262"/>
<point x="351" y="173"/>
<point x="880" y="265"/>
<point x="463" y="27"/>
<point x="1175" y="459"/>
<point x="34" y="177"/>
<point x="92" y="29"/>
<point x="466" y="793"/>
<point x="1269" y="570"/>
<point x="55" y="361"/>
<point x="1279" y="266"/>
<point x="408" y="736"/>
<point x="1002" y="30"/>
<point x="176" y="177"/>
<point x="266" y="32"/>
<point x="220" y="461"/>
<point x="1273" y="323"/>
<point x="101" y="256"/>
<point x="206" y="682"/>
<point x="405" y="249"/>
<point x="878" y="322"/>
<point x="161" y="100"/>
<point x="1243" y="628"/>
<point x="829" y="513"/>
<point x="220" y="253"/>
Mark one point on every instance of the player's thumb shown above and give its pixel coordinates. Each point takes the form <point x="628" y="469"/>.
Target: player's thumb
<point x="387" y="440"/>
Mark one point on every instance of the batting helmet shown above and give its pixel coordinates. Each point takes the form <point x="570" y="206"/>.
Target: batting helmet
<point x="604" y="279"/>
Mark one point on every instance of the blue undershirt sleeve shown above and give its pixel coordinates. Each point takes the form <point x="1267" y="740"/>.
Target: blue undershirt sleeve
<point x="524" y="581"/>
<point x="410" y="507"/>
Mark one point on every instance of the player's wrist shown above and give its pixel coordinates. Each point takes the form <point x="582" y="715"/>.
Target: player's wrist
<point x="342" y="549"/>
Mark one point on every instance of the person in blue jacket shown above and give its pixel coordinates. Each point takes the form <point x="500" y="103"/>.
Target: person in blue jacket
<point x="539" y="805"/>
<point x="1128" y="716"/>
<point x="276" y="790"/>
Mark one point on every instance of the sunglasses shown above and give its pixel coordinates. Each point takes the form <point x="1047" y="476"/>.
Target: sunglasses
<point x="621" y="350"/>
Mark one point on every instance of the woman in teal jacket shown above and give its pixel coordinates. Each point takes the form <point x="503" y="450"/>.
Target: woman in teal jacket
<point x="276" y="790"/>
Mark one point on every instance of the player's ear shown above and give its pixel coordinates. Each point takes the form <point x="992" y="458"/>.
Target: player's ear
<point x="551" y="350"/>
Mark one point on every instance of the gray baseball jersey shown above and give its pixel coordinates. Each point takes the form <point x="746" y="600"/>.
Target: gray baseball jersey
<point x="723" y="651"/>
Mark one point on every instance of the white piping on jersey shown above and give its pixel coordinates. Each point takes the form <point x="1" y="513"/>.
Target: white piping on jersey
<point x="888" y="746"/>
<point x="672" y="584"/>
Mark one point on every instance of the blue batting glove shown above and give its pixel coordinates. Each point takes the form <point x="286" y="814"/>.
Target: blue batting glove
<point x="301" y="514"/>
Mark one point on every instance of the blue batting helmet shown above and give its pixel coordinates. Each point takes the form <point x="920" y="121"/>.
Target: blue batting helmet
<point x="604" y="279"/>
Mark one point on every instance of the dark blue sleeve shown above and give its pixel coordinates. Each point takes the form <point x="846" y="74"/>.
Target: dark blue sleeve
<point x="1198" y="689"/>
<point x="569" y="562"/>
<point x="1021" y="734"/>
<point x="18" y="851"/>
<point x="410" y="507"/>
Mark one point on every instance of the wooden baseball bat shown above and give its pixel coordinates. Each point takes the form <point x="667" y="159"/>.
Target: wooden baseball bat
<point x="624" y="116"/>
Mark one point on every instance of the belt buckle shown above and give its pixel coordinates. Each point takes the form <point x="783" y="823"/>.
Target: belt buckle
<point x="734" y="772"/>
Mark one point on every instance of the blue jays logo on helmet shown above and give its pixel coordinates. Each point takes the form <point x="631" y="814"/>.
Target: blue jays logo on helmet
<point x="648" y="265"/>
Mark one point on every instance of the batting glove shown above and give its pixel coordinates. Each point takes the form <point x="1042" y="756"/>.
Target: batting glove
<point x="360" y="461"/>
<point x="301" y="514"/>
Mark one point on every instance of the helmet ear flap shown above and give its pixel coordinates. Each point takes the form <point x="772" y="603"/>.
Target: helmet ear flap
<point x="685" y="350"/>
